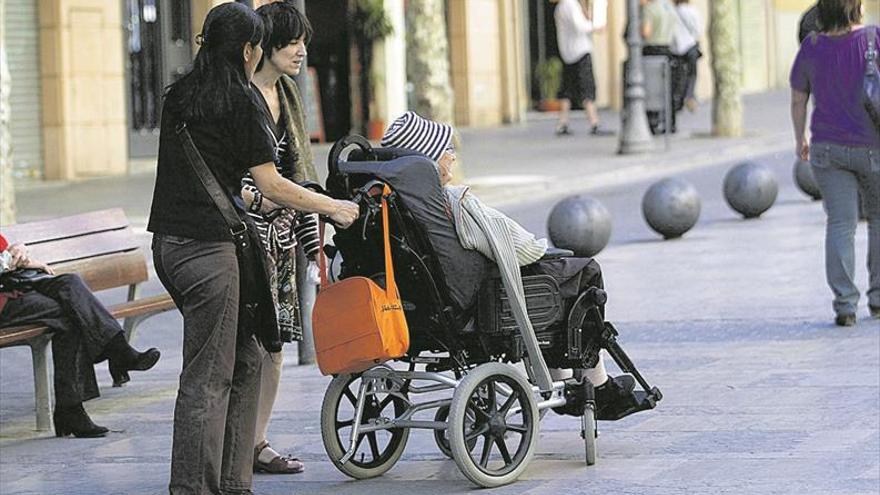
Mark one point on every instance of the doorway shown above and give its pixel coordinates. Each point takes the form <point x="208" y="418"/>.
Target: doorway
<point x="329" y="55"/>
<point x="158" y="34"/>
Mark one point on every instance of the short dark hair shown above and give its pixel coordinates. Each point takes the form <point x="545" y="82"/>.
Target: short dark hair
<point x="283" y="24"/>
<point x="839" y="14"/>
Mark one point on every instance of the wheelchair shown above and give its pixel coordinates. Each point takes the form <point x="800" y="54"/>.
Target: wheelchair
<point x="464" y="339"/>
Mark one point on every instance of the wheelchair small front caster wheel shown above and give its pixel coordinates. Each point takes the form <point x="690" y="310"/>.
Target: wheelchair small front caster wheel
<point x="588" y="432"/>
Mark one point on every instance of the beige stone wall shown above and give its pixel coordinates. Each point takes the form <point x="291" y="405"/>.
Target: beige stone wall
<point x="84" y="111"/>
<point x="488" y="75"/>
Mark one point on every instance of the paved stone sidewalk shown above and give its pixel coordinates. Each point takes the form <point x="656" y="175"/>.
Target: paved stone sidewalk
<point x="762" y="394"/>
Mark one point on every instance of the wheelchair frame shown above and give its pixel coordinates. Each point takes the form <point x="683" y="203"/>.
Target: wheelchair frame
<point x="486" y="403"/>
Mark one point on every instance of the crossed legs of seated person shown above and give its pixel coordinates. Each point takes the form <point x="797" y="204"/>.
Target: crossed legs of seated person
<point x="266" y="459"/>
<point x="84" y="333"/>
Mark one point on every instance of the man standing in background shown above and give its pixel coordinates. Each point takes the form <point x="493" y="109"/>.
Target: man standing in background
<point x="574" y="35"/>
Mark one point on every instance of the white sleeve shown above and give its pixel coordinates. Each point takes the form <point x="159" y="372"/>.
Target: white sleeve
<point x="572" y="14"/>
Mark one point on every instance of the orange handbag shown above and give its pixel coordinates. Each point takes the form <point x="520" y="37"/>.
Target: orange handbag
<point x="356" y="323"/>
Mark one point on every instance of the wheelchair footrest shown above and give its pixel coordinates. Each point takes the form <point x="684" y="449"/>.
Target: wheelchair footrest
<point x="642" y="401"/>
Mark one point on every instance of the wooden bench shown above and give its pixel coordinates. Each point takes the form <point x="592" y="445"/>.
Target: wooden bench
<point x="99" y="246"/>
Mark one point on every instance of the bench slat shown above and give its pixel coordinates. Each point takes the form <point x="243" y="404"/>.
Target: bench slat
<point x="109" y="271"/>
<point x="76" y="248"/>
<point x="61" y="228"/>
<point x="13" y="335"/>
<point x="146" y="306"/>
<point x="143" y="306"/>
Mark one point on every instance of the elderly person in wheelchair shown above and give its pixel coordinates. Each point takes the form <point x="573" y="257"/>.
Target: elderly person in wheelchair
<point x="411" y="132"/>
<point x="480" y="294"/>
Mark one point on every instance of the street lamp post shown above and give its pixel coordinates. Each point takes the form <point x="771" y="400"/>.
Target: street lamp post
<point x="635" y="135"/>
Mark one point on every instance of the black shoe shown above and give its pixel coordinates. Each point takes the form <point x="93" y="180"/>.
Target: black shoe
<point x="874" y="310"/>
<point x="598" y="131"/>
<point x="124" y="358"/>
<point x="562" y="130"/>
<point x="615" y="398"/>
<point x="74" y="421"/>
<point x="845" y="320"/>
<point x="142" y="361"/>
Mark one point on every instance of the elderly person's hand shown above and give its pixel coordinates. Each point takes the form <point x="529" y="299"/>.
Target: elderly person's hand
<point x="19" y="256"/>
<point x="21" y="259"/>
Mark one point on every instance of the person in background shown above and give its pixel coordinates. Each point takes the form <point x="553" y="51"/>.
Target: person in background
<point x="658" y="30"/>
<point x="287" y="32"/>
<point x="687" y="48"/>
<point x="84" y="333"/>
<point x="844" y="149"/>
<point x="574" y="35"/>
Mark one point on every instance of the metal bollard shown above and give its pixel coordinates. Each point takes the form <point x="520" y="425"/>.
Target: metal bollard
<point x="307" y="291"/>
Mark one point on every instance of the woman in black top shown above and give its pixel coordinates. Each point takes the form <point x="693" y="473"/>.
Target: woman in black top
<point x="195" y="257"/>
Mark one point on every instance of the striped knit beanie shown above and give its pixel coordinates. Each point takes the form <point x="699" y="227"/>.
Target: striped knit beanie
<point x="412" y="132"/>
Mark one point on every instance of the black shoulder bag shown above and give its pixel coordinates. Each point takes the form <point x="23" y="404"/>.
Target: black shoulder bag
<point x="22" y="279"/>
<point x="256" y="306"/>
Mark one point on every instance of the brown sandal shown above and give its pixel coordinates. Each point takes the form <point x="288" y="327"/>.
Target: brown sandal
<point x="280" y="464"/>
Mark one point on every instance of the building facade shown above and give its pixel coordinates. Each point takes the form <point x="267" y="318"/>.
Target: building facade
<point x="87" y="75"/>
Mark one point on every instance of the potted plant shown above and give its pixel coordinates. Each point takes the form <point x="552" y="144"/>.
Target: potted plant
<point x="370" y="24"/>
<point x="548" y="75"/>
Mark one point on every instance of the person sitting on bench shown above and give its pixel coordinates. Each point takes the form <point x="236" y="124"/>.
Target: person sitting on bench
<point x="614" y="395"/>
<point x="84" y="333"/>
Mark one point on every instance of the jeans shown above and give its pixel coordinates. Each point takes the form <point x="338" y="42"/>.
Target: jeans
<point x="216" y="409"/>
<point x="82" y="328"/>
<point x="843" y="172"/>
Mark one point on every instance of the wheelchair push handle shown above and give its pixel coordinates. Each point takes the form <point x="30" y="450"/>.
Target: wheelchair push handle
<point x="340" y="146"/>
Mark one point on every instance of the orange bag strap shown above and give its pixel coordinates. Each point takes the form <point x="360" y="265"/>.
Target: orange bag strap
<point x="390" y="283"/>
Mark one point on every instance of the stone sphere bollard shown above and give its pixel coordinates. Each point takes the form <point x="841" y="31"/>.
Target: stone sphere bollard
<point x="581" y="224"/>
<point x="803" y="177"/>
<point x="671" y="207"/>
<point x="750" y="189"/>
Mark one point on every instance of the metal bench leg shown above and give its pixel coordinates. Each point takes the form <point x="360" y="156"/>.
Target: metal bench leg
<point x="130" y="323"/>
<point x="42" y="388"/>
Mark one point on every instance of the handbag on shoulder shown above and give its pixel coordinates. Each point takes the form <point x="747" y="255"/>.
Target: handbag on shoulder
<point x="356" y="323"/>
<point x="256" y="306"/>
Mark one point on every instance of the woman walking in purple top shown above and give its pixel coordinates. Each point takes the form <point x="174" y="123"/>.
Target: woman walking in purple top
<point x="845" y="146"/>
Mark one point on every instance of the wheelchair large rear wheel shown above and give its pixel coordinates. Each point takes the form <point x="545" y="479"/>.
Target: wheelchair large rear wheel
<point x="377" y="451"/>
<point x="504" y="443"/>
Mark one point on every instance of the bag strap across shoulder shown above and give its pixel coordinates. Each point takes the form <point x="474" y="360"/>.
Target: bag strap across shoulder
<point x="237" y="227"/>
<point x="390" y="282"/>
<point x="871" y="54"/>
